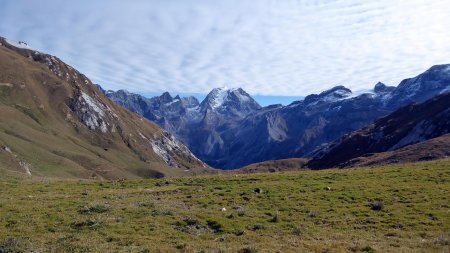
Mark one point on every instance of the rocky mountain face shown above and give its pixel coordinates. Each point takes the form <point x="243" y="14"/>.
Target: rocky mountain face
<point x="55" y="122"/>
<point x="199" y="125"/>
<point x="168" y="112"/>
<point x="221" y="110"/>
<point x="298" y="129"/>
<point x="408" y="125"/>
<point x="229" y="129"/>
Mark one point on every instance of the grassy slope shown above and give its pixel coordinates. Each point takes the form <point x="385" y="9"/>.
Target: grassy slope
<point x="35" y="126"/>
<point x="135" y="216"/>
<point x="36" y="134"/>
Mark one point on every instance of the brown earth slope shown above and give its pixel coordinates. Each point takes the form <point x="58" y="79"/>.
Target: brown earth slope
<point x="54" y="122"/>
<point x="275" y="166"/>
<point x="433" y="149"/>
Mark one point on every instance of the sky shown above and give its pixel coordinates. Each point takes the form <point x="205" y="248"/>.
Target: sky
<point x="276" y="50"/>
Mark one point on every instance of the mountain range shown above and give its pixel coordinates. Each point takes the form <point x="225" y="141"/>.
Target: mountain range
<point x="229" y="130"/>
<point x="56" y="122"/>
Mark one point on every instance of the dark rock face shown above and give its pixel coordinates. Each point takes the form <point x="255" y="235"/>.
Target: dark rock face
<point x="229" y="129"/>
<point x="382" y="88"/>
<point x="408" y="125"/>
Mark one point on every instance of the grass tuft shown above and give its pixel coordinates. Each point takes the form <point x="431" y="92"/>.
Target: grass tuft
<point x="91" y="224"/>
<point x="368" y="249"/>
<point x="95" y="208"/>
<point x="14" y="245"/>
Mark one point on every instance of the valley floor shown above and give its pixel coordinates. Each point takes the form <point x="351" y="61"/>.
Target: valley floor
<point x="402" y="208"/>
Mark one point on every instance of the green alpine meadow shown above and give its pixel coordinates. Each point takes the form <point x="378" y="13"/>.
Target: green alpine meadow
<point x="400" y="208"/>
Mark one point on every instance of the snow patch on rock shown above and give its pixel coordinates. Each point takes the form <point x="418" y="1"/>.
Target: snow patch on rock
<point x="161" y="152"/>
<point x="19" y="44"/>
<point x="163" y="146"/>
<point x="143" y="136"/>
<point x="174" y="101"/>
<point x="219" y="97"/>
<point x="337" y="96"/>
<point x="26" y="167"/>
<point x="166" y="146"/>
<point x="7" y="149"/>
<point x="91" y="112"/>
<point x="95" y="105"/>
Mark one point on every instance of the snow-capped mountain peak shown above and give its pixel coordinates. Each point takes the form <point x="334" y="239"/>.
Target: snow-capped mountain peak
<point x="217" y="97"/>
<point x="334" y="94"/>
<point x="222" y="98"/>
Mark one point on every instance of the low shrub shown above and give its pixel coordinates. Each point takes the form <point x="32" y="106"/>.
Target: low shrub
<point x="313" y="214"/>
<point x="215" y="226"/>
<point x="248" y="249"/>
<point x="297" y="231"/>
<point x="275" y="218"/>
<point x="257" y="226"/>
<point x="376" y="205"/>
<point x="368" y="249"/>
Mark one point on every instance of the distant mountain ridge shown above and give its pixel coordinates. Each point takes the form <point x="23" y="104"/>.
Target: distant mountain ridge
<point x="229" y="129"/>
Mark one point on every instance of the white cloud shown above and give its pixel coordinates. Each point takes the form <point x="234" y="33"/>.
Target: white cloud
<point x="267" y="47"/>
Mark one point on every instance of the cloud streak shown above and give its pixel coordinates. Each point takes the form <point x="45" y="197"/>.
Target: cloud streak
<point x="268" y="47"/>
